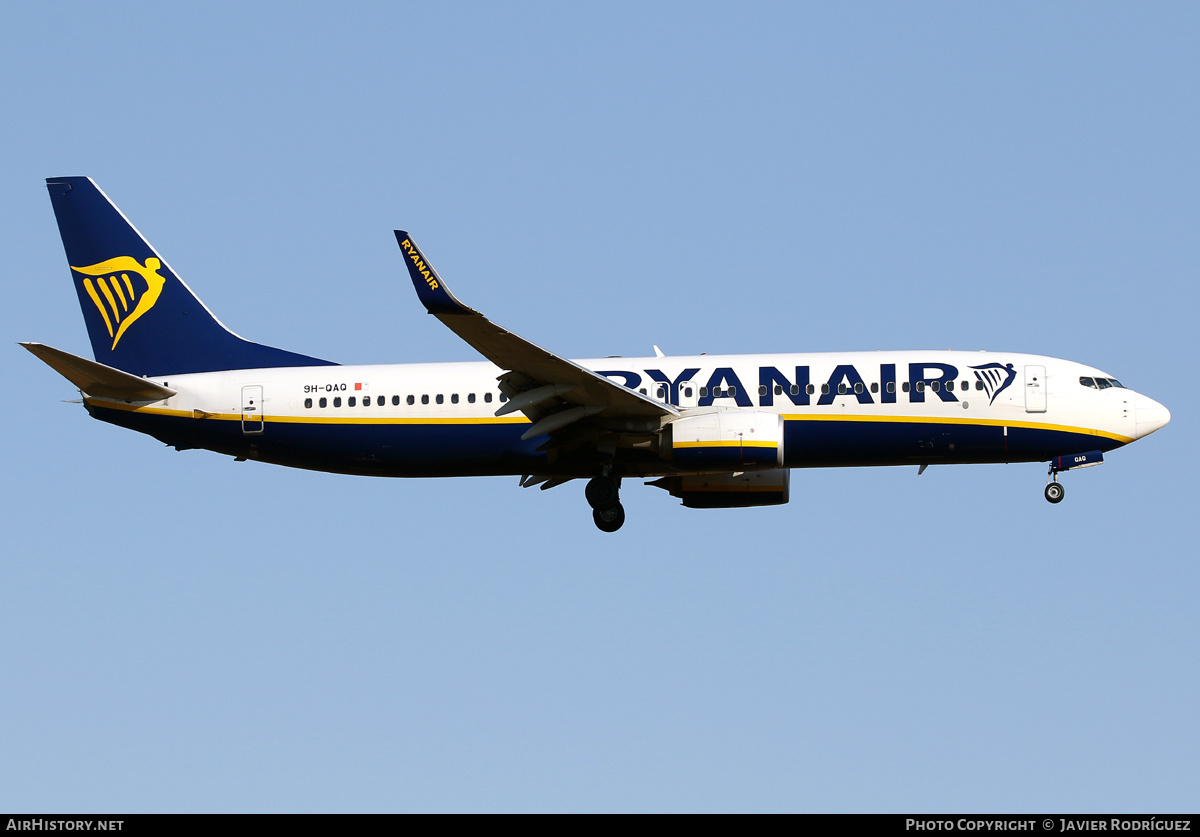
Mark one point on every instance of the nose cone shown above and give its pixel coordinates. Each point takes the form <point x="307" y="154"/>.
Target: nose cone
<point x="1149" y="416"/>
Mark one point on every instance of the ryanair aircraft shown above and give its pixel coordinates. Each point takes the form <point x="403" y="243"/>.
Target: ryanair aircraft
<point x="716" y="431"/>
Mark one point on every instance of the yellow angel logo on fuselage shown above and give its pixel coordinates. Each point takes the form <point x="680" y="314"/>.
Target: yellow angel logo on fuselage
<point x="120" y="298"/>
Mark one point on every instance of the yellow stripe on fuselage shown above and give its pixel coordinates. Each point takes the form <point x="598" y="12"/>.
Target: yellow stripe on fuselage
<point x="364" y="420"/>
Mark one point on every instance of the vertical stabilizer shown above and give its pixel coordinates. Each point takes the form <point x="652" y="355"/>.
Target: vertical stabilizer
<point x="140" y="316"/>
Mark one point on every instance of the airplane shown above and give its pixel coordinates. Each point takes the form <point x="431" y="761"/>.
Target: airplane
<point x="715" y="431"/>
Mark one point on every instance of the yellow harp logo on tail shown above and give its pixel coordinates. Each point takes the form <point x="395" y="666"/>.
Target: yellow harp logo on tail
<point x="122" y="290"/>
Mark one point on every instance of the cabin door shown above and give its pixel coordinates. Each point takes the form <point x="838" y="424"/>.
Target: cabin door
<point x="252" y="409"/>
<point x="1035" y="389"/>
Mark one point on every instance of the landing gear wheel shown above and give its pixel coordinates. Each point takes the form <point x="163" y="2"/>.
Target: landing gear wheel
<point x="1055" y="492"/>
<point x="609" y="519"/>
<point x="601" y="493"/>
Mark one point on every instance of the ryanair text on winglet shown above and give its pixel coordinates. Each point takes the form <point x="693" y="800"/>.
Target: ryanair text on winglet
<point x="413" y="253"/>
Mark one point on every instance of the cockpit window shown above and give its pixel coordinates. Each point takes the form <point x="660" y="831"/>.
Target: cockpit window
<point x="1088" y="382"/>
<point x="1116" y="383"/>
<point x="1103" y="383"/>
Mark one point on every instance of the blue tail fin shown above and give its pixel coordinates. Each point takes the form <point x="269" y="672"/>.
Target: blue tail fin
<point x="140" y="316"/>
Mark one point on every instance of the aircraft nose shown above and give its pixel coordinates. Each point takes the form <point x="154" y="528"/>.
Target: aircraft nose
<point x="1149" y="416"/>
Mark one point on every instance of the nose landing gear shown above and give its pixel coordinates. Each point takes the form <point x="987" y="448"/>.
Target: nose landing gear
<point x="603" y="495"/>
<point x="1054" y="490"/>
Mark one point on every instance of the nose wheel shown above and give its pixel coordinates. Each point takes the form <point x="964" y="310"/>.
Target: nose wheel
<point x="603" y="494"/>
<point x="1055" y="492"/>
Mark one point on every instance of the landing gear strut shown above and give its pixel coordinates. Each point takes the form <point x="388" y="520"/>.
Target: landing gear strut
<point x="1069" y="462"/>
<point x="1054" y="490"/>
<point x="603" y="494"/>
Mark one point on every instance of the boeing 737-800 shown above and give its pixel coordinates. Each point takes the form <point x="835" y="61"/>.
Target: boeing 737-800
<point x="717" y="431"/>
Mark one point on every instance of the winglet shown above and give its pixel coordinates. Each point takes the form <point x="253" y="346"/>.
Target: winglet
<point x="431" y="290"/>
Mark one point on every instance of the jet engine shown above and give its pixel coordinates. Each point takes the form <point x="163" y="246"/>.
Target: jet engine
<point x="726" y="440"/>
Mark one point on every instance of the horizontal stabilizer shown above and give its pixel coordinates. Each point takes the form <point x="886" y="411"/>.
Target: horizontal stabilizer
<point x="98" y="380"/>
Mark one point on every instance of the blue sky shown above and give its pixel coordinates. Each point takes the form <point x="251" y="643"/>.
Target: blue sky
<point x="181" y="632"/>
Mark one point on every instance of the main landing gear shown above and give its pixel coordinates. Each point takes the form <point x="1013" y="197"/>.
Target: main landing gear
<point x="603" y="494"/>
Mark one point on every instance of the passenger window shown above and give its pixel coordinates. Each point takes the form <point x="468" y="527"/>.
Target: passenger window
<point x="687" y="392"/>
<point x="395" y="400"/>
<point x="643" y="391"/>
<point x="380" y="401"/>
<point x="454" y="398"/>
<point x="410" y="400"/>
<point x="979" y="385"/>
<point x="337" y="402"/>
<point x="824" y="389"/>
<point x="949" y="386"/>
<point x="778" y="390"/>
<point x="731" y="391"/>
<point x="875" y="387"/>
<point x="858" y="389"/>
<point x="308" y="403"/>
<point x="440" y="398"/>
<point x="487" y="398"/>
<point x="503" y="398"/>
<point x="350" y="402"/>
<point x="470" y="398"/>
<point x="891" y="386"/>
<point x="794" y="389"/>
<point x="934" y="385"/>
<point x="843" y="389"/>
<point x="904" y="386"/>
<point x="660" y="393"/>
<point x="964" y="386"/>
<point x="762" y="389"/>
<point x="322" y="403"/>
<point x="424" y="399"/>
<point x="703" y="392"/>
<point x="920" y="386"/>
<point x="810" y="389"/>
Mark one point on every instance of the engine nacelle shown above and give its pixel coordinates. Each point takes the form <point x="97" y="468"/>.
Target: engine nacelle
<point x="726" y="491"/>
<point x="729" y="440"/>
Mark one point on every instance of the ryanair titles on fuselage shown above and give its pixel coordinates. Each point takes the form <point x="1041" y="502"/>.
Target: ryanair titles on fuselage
<point x="936" y="378"/>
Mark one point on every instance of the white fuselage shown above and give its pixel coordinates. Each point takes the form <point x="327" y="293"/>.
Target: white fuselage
<point x="852" y="408"/>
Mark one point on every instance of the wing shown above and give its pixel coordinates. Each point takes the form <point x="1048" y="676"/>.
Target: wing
<point x="552" y="391"/>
